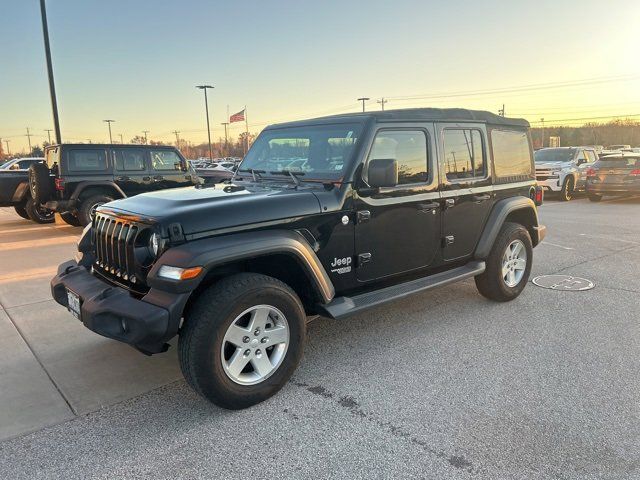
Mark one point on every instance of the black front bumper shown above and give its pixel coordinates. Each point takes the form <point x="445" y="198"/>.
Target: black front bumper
<point x="146" y="323"/>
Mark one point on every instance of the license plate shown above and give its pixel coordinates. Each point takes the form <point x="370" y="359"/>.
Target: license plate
<point x="73" y="304"/>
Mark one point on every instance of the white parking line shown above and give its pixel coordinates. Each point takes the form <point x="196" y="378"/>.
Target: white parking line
<point x="556" y="245"/>
<point x="606" y="237"/>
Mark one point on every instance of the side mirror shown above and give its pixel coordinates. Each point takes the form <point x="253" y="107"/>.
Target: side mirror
<point x="383" y="172"/>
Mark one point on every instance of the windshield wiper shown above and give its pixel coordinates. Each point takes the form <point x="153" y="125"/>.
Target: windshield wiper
<point x="253" y="172"/>
<point x="292" y="174"/>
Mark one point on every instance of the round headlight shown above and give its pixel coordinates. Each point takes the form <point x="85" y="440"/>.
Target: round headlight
<point x="154" y="244"/>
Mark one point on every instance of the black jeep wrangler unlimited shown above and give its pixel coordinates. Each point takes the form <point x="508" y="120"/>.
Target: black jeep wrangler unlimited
<point x="77" y="178"/>
<point x="329" y="217"/>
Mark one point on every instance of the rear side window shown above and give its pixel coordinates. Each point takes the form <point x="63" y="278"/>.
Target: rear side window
<point x="464" y="154"/>
<point x="165" y="160"/>
<point x="87" y="160"/>
<point x="511" y="154"/>
<point x="130" y="160"/>
<point x="408" y="148"/>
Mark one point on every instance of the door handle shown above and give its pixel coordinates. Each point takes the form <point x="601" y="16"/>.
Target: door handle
<point x="123" y="179"/>
<point x="481" y="198"/>
<point x="449" y="202"/>
<point x="428" y="207"/>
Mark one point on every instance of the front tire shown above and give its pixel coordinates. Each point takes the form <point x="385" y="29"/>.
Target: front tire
<point x="38" y="213"/>
<point x="88" y="207"/>
<point x="70" y="219"/>
<point x="22" y="211"/>
<point x="242" y="340"/>
<point x="508" y="266"/>
<point x="568" y="188"/>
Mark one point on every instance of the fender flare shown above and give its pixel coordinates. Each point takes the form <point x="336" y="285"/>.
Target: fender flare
<point x="88" y="184"/>
<point x="217" y="251"/>
<point x="21" y="192"/>
<point x="498" y="216"/>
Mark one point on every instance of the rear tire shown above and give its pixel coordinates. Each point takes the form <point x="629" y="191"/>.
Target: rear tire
<point x="38" y="213"/>
<point x="70" y="219"/>
<point x="213" y="337"/>
<point x="594" y="197"/>
<point x="507" y="270"/>
<point x="87" y="208"/>
<point x="22" y="211"/>
<point x="568" y="188"/>
<point x="41" y="184"/>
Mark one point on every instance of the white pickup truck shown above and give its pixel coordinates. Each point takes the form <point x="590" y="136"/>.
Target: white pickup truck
<point x="563" y="170"/>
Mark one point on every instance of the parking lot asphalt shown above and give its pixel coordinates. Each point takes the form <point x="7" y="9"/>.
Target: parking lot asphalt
<point x="445" y="384"/>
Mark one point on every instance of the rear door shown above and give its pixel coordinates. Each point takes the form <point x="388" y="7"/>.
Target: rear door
<point x="130" y="170"/>
<point x="467" y="193"/>
<point x="166" y="169"/>
<point x="85" y="163"/>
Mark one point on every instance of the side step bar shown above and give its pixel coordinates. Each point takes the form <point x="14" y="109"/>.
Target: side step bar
<point x="341" y="307"/>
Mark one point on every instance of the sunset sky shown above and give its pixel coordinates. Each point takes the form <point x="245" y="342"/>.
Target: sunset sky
<point x="138" y="61"/>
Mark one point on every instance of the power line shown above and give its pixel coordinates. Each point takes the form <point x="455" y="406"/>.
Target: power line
<point x="588" y="118"/>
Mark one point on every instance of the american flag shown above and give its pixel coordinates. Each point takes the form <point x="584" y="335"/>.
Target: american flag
<point x="237" y="117"/>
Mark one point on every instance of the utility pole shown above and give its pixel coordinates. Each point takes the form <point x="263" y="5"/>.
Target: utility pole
<point x="382" y="101"/>
<point x="542" y="121"/>
<point x="7" y="143"/>
<point x="177" y="138"/>
<point x="363" y="100"/>
<point x="28" y="135"/>
<point x="109" y="122"/>
<point x="145" y="136"/>
<point x="48" y="130"/>
<point x="52" y="88"/>
<point x="501" y="111"/>
<point x="121" y="140"/>
<point x="206" y="108"/>
<point x="226" y="138"/>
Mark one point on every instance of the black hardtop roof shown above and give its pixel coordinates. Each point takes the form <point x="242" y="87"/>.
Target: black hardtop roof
<point x="415" y="114"/>
<point x="108" y="145"/>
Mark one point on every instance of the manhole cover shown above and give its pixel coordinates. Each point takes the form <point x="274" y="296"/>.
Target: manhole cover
<point x="563" y="282"/>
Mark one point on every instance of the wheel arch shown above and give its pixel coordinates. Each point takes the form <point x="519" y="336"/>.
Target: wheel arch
<point x="520" y="210"/>
<point x="281" y="254"/>
<point x="87" y="189"/>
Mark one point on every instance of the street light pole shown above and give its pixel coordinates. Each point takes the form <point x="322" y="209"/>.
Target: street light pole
<point x="29" y="138"/>
<point x="7" y="143"/>
<point x="226" y="138"/>
<point x="206" y="108"/>
<point x="52" y="87"/>
<point x="109" y="122"/>
<point x="121" y="140"/>
<point x="48" y="130"/>
<point x="542" y="121"/>
<point x="363" y="99"/>
<point x="145" y="136"/>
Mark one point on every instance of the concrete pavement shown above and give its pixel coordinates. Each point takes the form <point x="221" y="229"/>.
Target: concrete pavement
<point x="441" y="385"/>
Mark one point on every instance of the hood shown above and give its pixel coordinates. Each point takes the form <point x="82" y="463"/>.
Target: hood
<point x="201" y="209"/>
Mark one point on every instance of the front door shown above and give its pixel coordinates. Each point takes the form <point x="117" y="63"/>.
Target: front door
<point x="466" y="189"/>
<point x="398" y="228"/>
<point x="166" y="169"/>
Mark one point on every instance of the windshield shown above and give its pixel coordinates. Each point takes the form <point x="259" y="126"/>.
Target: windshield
<point x="554" y="155"/>
<point x="319" y="152"/>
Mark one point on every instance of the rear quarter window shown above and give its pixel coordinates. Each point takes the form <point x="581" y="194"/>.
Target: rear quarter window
<point x="87" y="160"/>
<point x="512" y="158"/>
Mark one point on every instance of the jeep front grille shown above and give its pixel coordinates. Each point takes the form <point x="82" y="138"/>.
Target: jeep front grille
<point x="114" y="242"/>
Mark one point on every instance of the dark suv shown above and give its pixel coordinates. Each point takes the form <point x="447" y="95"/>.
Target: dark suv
<point x="329" y="216"/>
<point x="77" y="178"/>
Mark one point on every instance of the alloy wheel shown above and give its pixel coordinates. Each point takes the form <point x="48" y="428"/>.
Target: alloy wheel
<point x="514" y="263"/>
<point x="255" y="345"/>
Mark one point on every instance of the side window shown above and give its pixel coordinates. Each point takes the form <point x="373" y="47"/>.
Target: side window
<point x="511" y="154"/>
<point x="581" y="157"/>
<point x="165" y="160"/>
<point x="129" y="160"/>
<point x="408" y="148"/>
<point x="591" y="156"/>
<point x="25" y="164"/>
<point x="463" y="154"/>
<point x="87" y="160"/>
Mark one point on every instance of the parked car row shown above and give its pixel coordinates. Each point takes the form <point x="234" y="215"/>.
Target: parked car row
<point x="567" y="170"/>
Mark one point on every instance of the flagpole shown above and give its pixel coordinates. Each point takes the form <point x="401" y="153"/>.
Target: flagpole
<point x="246" y="126"/>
